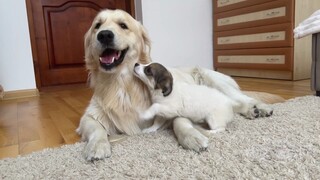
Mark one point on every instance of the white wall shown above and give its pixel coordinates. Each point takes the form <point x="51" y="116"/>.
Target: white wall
<point x="16" y="66"/>
<point x="181" y="31"/>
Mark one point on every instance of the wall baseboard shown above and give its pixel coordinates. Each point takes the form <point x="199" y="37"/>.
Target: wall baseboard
<point x="1" y="92"/>
<point x="20" y="94"/>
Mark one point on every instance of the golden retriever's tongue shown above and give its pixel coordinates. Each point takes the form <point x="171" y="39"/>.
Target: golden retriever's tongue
<point x="110" y="57"/>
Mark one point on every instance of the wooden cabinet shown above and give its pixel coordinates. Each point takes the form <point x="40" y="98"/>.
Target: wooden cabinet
<point x="255" y="38"/>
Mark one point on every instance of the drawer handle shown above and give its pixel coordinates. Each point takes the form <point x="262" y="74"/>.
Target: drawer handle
<point x="225" y="59"/>
<point x="224" y="21"/>
<point x="272" y="59"/>
<point x="273" y="36"/>
<point x="273" y="13"/>
<point x="224" y="2"/>
<point x="225" y="40"/>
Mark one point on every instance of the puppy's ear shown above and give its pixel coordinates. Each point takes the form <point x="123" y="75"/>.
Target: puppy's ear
<point x="164" y="81"/>
<point x="165" y="84"/>
<point x="167" y="89"/>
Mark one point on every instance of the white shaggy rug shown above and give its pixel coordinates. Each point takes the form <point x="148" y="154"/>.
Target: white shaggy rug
<point x="283" y="146"/>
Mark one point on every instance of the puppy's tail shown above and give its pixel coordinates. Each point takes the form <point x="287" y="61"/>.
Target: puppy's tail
<point x="213" y="79"/>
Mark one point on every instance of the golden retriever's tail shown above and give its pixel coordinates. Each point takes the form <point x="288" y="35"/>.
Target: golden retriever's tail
<point x="264" y="97"/>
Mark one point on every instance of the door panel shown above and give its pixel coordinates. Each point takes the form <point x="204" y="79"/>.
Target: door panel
<point x="57" y="29"/>
<point x="65" y="40"/>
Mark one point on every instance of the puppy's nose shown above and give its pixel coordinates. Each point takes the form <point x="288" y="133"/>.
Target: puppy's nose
<point x="136" y="64"/>
<point x="105" y="37"/>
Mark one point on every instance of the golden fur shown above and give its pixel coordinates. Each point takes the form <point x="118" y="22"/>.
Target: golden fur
<point x="112" y="90"/>
<point x="119" y="96"/>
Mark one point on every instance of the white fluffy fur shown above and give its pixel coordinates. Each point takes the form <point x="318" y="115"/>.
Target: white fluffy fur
<point x="119" y="96"/>
<point x="196" y="102"/>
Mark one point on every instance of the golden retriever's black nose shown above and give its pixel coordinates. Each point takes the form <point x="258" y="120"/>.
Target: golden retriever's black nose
<point x="105" y="37"/>
<point x="136" y="64"/>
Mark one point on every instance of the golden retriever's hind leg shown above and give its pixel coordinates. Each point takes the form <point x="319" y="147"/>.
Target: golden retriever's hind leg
<point x="188" y="136"/>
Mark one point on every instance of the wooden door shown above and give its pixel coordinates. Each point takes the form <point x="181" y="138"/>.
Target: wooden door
<point x="57" y="29"/>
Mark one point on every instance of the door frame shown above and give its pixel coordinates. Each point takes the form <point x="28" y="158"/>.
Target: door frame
<point x="33" y="44"/>
<point x="36" y="66"/>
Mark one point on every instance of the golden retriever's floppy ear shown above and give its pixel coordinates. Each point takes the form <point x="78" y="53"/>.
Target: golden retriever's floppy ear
<point x="87" y="50"/>
<point x="146" y="38"/>
<point x="145" y="54"/>
<point x="87" y="41"/>
<point x="91" y="65"/>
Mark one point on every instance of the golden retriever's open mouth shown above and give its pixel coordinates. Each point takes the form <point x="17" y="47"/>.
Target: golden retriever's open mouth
<point x="111" y="58"/>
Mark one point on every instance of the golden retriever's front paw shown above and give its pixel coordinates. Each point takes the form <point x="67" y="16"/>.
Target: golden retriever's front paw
<point x="96" y="150"/>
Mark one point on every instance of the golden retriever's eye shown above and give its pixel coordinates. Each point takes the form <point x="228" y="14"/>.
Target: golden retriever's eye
<point x="148" y="71"/>
<point x="123" y="25"/>
<point x="97" y="26"/>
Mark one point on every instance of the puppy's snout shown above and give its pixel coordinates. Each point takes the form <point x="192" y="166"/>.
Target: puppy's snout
<point x="136" y="64"/>
<point x="105" y="37"/>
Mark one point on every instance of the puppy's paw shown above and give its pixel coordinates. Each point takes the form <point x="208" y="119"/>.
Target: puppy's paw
<point x="259" y="110"/>
<point x="252" y="113"/>
<point x="218" y="130"/>
<point x="194" y="140"/>
<point x="149" y="130"/>
<point x="95" y="150"/>
<point x="264" y="110"/>
<point x="146" y="116"/>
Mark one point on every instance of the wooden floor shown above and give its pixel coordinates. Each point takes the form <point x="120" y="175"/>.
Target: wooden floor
<point x="283" y="88"/>
<point x="50" y="120"/>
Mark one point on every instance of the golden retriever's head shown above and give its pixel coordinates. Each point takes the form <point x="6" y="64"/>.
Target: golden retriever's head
<point x="115" y="42"/>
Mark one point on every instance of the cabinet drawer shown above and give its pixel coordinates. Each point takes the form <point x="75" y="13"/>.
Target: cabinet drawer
<point x="227" y="5"/>
<point x="258" y="15"/>
<point x="268" y="59"/>
<point x="279" y="35"/>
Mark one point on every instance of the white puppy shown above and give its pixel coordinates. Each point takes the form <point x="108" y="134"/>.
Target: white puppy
<point x="173" y="98"/>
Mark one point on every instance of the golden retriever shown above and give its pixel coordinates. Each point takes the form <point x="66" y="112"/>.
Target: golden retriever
<point x="113" y="45"/>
